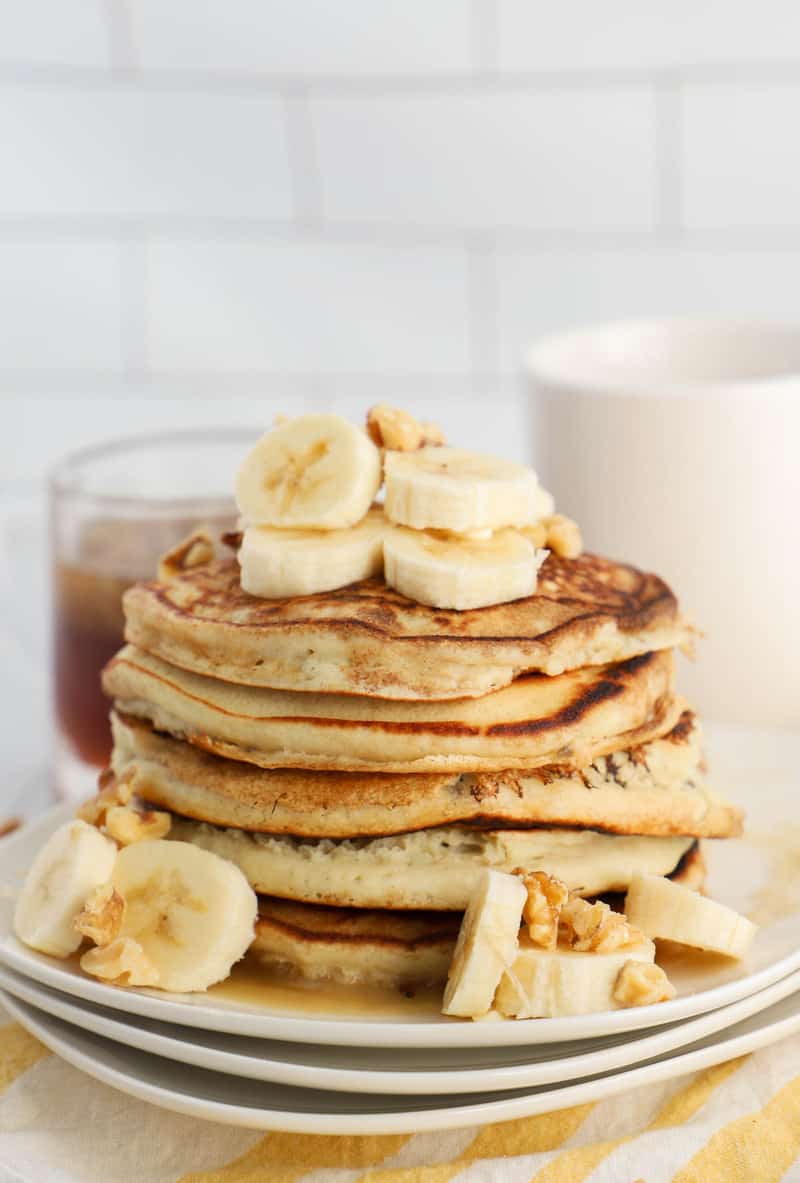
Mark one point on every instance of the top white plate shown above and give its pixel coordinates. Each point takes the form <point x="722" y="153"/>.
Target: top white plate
<point x="755" y="875"/>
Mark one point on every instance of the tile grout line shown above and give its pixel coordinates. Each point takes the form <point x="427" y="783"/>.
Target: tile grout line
<point x="128" y="73"/>
<point x="393" y="234"/>
<point x="158" y="384"/>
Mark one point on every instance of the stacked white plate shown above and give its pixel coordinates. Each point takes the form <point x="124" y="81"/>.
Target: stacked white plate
<point x="284" y="1069"/>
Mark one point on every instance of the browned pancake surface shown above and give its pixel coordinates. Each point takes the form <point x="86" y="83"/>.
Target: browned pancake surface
<point x="368" y="639"/>
<point x="537" y="720"/>
<point x="655" y="788"/>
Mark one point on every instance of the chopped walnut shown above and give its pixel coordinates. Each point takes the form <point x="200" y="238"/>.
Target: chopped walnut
<point x="9" y="826"/>
<point x="546" y="898"/>
<point x="126" y="825"/>
<point x="101" y="916"/>
<point x="563" y="536"/>
<point x="123" y="963"/>
<point x="640" y="983"/>
<point x="397" y="431"/>
<point x="193" y="551"/>
<point x="595" y="928"/>
<point x="113" y="791"/>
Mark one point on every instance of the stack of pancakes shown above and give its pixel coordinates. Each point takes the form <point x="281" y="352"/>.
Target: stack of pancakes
<point x="361" y="757"/>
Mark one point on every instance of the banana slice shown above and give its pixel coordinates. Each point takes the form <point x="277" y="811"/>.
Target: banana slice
<point x="461" y="573"/>
<point x="486" y="946"/>
<point x="450" y="489"/>
<point x="549" y="983"/>
<point x="191" y="912"/>
<point x="277" y="563"/>
<point x="672" y="912"/>
<point x="316" y="472"/>
<point x="75" y="860"/>
<point x="545" y="504"/>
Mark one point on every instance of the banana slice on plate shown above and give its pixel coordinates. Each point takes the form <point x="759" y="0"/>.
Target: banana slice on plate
<point x="486" y="945"/>
<point x="449" y="572"/>
<point x="278" y="563"/>
<point x="672" y="912"/>
<point x="191" y="912"/>
<point x="550" y="983"/>
<point x="74" y="860"/>
<point x="316" y="472"/>
<point x="451" y="489"/>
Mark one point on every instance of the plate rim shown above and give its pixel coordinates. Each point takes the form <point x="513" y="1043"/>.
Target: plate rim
<point x="354" y="1033"/>
<point x="401" y="1121"/>
<point x="659" y="1042"/>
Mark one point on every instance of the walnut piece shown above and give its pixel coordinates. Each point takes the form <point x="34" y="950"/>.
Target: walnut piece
<point x="546" y="898"/>
<point x="113" y="791"/>
<point x="102" y="914"/>
<point x="9" y="826"/>
<point x="397" y="431"/>
<point x="122" y="963"/>
<point x="640" y="983"/>
<point x="595" y="928"/>
<point x="563" y="536"/>
<point x="126" y="825"/>
<point x="193" y="551"/>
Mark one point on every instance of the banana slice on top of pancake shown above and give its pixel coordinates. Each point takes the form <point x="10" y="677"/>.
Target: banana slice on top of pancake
<point x="445" y="571"/>
<point x="440" y="488"/>
<point x="316" y="472"/>
<point x="282" y="563"/>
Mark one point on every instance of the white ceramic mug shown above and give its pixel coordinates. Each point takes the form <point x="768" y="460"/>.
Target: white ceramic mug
<point x="676" y="445"/>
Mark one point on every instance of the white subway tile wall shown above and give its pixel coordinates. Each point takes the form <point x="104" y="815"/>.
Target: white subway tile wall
<point x="742" y="166"/>
<point x="642" y="34"/>
<point x="305" y="307"/>
<point x="61" y="302"/>
<point x="554" y="288"/>
<point x="116" y="150"/>
<point x="358" y="38"/>
<point x="544" y="160"/>
<point x="48" y="33"/>
<point x="244" y="196"/>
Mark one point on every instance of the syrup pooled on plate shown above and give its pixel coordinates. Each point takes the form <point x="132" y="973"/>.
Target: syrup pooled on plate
<point x="252" y="984"/>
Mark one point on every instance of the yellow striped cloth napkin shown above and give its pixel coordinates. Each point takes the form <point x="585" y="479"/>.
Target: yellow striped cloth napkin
<point x="735" y="1123"/>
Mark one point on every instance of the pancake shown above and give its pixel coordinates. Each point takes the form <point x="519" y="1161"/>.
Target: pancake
<point x="571" y="719"/>
<point x="430" y="869"/>
<point x="367" y="639"/>
<point x="357" y="946"/>
<point x="657" y="788"/>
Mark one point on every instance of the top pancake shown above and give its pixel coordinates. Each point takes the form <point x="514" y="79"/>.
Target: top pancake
<point x="367" y="639"/>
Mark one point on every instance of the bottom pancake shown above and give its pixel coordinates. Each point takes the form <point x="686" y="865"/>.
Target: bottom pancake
<point x="358" y="946"/>
<point x="434" y="869"/>
<point x="355" y="946"/>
